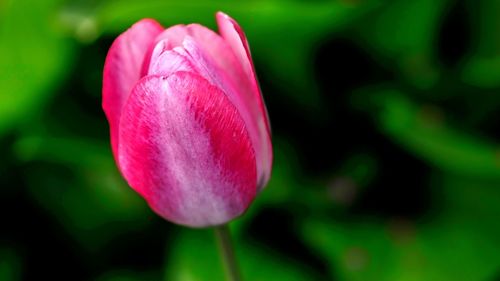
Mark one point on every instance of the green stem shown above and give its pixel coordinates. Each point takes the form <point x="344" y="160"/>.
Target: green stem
<point x="227" y="253"/>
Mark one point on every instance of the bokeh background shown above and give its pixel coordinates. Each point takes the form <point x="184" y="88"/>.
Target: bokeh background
<point x="386" y="125"/>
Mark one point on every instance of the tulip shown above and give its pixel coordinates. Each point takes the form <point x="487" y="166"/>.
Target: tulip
<point x="189" y="129"/>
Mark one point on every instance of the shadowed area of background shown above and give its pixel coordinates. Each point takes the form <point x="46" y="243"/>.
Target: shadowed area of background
<point x="386" y="130"/>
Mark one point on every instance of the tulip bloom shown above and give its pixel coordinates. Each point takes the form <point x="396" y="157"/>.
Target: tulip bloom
<point x="189" y="129"/>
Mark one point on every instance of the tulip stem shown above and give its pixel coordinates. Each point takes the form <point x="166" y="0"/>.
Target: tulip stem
<point x="227" y="252"/>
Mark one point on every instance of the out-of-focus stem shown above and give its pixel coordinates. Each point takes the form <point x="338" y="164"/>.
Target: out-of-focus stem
<point x="227" y="253"/>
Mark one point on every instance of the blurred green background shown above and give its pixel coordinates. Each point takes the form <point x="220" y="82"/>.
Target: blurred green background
<point x="386" y="129"/>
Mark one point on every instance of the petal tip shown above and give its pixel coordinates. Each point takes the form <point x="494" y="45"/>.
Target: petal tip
<point x="221" y="15"/>
<point x="224" y="19"/>
<point x="147" y="21"/>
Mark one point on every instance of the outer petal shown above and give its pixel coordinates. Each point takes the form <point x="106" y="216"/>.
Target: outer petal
<point x="234" y="36"/>
<point x="215" y="47"/>
<point x="208" y="57"/>
<point x="185" y="149"/>
<point x="122" y="70"/>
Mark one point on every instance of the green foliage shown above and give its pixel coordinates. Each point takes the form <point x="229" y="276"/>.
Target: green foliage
<point x="10" y="266"/>
<point x="98" y="196"/>
<point x="422" y="131"/>
<point x="194" y="257"/>
<point x="464" y="232"/>
<point x="35" y="58"/>
<point x="440" y="118"/>
<point x="482" y="69"/>
<point x="403" y="33"/>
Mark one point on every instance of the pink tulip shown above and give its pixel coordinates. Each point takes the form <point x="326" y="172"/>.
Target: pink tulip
<point x="189" y="129"/>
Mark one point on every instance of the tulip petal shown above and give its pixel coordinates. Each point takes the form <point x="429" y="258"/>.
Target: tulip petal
<point x="185" y="149"/>
<point x="174" y="34"/>
<point x="193" y="56"/>
<point x="230" y="68"/>
<point x="122" y="70"/>
<point x="233" y="34"/>
<point x="220" y="51"/>
<point x="166" y="61"/>
<point x="212" y="44"/>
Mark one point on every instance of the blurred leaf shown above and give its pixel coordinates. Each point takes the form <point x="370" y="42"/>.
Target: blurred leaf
<point x="482" y="71"/>
<point x="405" y="31"/>
<point x="283" y="34"/>
<point x="287" y="186"/>
<point x="482" y="68"/>
<point x="470" y="207"/>
<point x="69" y="151"/>
<point x="91" y="196"/>
<point x="421" y="130"/>
<point x="353" y="251"/>
<point x="485" y="20"/>
<point x="470" y="199"/>
<point x="288" y="178"/>
<point x="290" y="186"/>
<point x="33" y="57"/>
<point x="10" y="265"/>
<point x="400" y="250"/>
<point x="194" y="257"/>
<point x="128" y="275"/>
<point x="361" y="168"/>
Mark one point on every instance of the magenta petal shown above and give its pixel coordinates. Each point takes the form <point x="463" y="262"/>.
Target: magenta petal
<point x="122" y="70"/>
<point x="219" y="50"/>
<point x="236" y="39"/>
<point x="184" y="148"/>
<point x="202" y="63"/>
<point x="174" y="34"/>
<point x="165" y="62"/>
<point x="234" y="36"/>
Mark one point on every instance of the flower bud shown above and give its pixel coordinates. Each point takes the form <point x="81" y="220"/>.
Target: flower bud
<point x="189" y="129"/>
